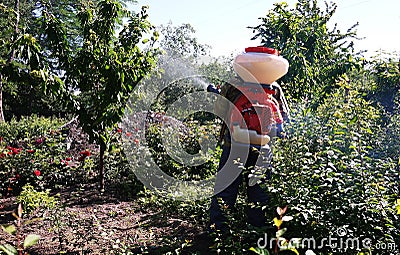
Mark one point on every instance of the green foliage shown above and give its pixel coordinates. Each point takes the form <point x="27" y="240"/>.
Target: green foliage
<point x="189" y="133"/>
<point x="29" y="241"/>
<point x="107" y="68"/>
<point x="193" y="212"/>
<point x="337" y="169"/>
<point x="180" y="42"/>
<point x="33" y="150"/>
<point x="241" y="236"/>
<point x="279" y="242"/>
<point x="329" y="171"/>
<point x="28" y="128"/>
<point x="118" y="169"/>
<point x="25" y="58"/>
<point x="386" y="70"/>
<point x="8" y="16"/>
<point x="65" y="11"/>
<point x="390" y="145"/>
<point x="218" y="70"/>
<point x="33" y="200"/>
<point x="25" y="100"/>
<point x="99" y="70"/>
<point x="100" y="75"/>
<point x="317" y="56"/>
<point x="384" y="74"/>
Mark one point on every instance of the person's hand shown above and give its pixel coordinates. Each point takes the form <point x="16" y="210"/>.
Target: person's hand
<point x="280" y="131"/>
<point x="212" y="88"/>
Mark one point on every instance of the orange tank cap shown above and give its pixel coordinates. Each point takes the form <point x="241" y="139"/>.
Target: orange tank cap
<point x="261" y="49"/>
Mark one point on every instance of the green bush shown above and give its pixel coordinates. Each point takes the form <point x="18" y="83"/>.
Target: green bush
<point x="118" y="170"/>
<point x="32" y="199"/>
<point x="38" y="151"/>
<point x="34" y="150"/>
<point x="190" y="132"/>
<point x="329" y="173"/>
<point x="33" y="127"/>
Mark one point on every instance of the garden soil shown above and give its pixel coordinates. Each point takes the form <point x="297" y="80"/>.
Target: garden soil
<point x="94" y="223"/>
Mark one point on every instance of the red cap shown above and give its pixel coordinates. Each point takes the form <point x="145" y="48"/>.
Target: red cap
<point x="261" y="49"/>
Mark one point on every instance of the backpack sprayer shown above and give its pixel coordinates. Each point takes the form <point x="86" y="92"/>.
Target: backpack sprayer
<point x="259" y="68"/>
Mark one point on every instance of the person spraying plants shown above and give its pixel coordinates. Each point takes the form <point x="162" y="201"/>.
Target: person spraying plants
<point x="254" y="111"/>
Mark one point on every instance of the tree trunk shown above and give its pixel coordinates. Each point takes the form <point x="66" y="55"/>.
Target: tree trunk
<point x="16" y="30"/>
<point x="101" y="167"/>
<point x="1" y="98"/>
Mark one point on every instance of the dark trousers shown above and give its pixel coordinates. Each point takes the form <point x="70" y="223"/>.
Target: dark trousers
<point x="257" y="158"/>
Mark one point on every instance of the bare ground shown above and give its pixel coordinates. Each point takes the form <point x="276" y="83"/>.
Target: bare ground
<point x="94" y="223"/>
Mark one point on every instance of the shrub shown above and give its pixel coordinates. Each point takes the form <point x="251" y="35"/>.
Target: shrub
<point x="329" y="171"/>
<point x="32" y="199"/>
<point x="190" y="132"/>
<point x="19" y="131"/>
<point x="50" y="155"/>
<point x="34" y="150"/>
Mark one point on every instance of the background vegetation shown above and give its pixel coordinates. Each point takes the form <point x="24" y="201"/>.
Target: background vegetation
<point x="67" y="69"/>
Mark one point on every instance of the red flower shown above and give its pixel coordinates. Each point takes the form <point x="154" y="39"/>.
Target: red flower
<point x="66" y="163"/>
<point x="13" y="151"/>
<point x="128" y="134"/>
<point x="68" y="159"/>
<point x="30" y="151"/>
<point x="119" y="130"/>
<point x="85" y="153"/>
<point x="2" y="155"/>
<point x="36" y="172"/>
<point x="136" y="141"/>
<point x="39" y="141"/>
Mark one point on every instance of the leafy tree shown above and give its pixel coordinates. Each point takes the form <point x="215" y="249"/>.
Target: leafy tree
<point x="65" y="11"/>
<point x="181" y="47"/>
<point x="19" y="50"/>
<point x="218" y="69"/>
<point x="98" y="78"/>
<point x="317" y="55"/>
<point x="22" y="90"/>
<point x="7" y="37"/>
<point x="180" y="42"/>
<point x="384" y="72"/>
